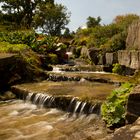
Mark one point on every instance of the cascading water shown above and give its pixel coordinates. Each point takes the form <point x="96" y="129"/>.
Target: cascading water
<point x="21" y="120"/>
<point x="74" y="105"/>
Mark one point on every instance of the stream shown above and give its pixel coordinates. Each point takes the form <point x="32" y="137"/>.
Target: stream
<point x="21" y="120"/>
<point x="33" y="118"/>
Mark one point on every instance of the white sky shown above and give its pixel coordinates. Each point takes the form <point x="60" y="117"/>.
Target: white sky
<point x="106" y="9"/>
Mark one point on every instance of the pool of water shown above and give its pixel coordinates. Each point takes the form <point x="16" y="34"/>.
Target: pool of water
<point x="91" y="90"/>
<point x="21" y="120"/>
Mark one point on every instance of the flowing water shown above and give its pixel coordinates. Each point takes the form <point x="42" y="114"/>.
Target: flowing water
<point x="20" y="120"/>
<point x="33" y="118"/>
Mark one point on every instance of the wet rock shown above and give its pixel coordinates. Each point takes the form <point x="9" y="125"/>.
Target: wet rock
<point x="8" y="95"/>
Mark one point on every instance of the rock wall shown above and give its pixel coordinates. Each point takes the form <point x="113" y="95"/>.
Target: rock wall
<point x="133" y="38"/>
<point x="133" y="105"/>
<point x="129" y="59"/>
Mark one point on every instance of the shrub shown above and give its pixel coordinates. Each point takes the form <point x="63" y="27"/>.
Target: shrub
<point x="118" y="42"/>
<point x="6" y="47"/>
<point x="113" y="110"/>
<point x="45" y="44"/>
<point x="117" y="68"/>
<point x="18" y="37"/>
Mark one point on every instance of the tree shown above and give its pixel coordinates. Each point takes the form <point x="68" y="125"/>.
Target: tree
<point x="51" y="18"/>
<point x="93" y="22"/>
<point x="20" y="13"/>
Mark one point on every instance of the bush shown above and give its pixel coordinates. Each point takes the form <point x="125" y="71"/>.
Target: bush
<point x="118" y="42"/>
<point x="113" y="110"/>
<point x="45" y="44"/>
<point x="18" y="37"/>
<point x="117" y="68"/>
<point x="6" y="47"/>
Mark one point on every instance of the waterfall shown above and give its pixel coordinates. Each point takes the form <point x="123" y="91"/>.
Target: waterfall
<point x="82" y="107"/>
<point x="72" y="105"/>
<point x="78" y="103"/>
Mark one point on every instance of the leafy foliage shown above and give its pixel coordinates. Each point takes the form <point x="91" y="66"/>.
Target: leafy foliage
<point x="117" y="42"/>
<point x="6" y="47"/>
<point x="102" y="34"/>
<point x="117" y="68"/>
<point x="93" y="22"/>
<point x="113" y="110"/>
<point x="109" y="37"/>
<point x="19" y="13"/>
<point x="18" y="37"/>
<point x="45" y="44"/>
<point x="29" y="14"/>
<point x="51" y="18"/>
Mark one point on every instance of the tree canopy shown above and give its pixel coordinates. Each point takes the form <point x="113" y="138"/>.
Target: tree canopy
<point x="27" y="14"/>
<point x="93" y="22"/>
<point x="51" y="18"/>
<point x="20" y="13"/>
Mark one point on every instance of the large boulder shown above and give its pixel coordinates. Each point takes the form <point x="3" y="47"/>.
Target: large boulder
<point x="129" y="58"/>
<point x="17" y="68"/>
<point x="133" y="38"/>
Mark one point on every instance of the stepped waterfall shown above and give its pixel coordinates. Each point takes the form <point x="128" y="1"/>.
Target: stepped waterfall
<point x="69" y="104"/>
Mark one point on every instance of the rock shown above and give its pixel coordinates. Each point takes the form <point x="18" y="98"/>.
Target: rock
<point x="8" y="95"/>
<point x="85" y="52"/>
<point x="93" y="55"/>
<point x="18" y="68"/>
<point x="135" y="128"/>
<point x="133" y="105"/>
<point x="129" y="58"/>
<point x="137" y="135"/>
<point x="133" y="38"/>
<point x="111" y="58"/>
<point x="124" y="57"/>
<point x="128" y="132"/>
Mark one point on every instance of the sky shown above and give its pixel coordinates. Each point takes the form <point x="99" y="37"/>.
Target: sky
<point x="106" y="9"/>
